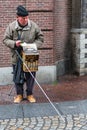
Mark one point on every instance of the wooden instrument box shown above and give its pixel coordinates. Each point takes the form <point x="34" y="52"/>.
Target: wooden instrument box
<point x="31" y="60"/>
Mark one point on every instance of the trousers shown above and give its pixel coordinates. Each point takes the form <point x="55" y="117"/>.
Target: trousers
<point x="29" y="84"/>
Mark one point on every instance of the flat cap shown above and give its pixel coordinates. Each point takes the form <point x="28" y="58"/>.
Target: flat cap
<point x="21" y="11"/>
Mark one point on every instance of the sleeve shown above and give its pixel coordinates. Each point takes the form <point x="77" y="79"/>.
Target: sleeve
<point x="8" y="38"/>
<point x="39" y="38"/>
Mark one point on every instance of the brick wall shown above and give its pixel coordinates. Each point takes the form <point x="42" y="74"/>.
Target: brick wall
<point x="7" y="10"/>
<point x="62" y="27"/>
<point x="79" y="14"/>
<point x="53" y="17"/>
<point x="42" y="13"/>
<point x="76" y="13"/>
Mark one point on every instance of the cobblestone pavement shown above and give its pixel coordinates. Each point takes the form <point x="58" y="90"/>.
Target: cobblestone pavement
<point x="72" y="122"/>
<point x="68" y="88"/>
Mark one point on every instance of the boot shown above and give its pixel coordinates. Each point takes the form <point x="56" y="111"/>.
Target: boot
<point x="31" y="98"/>
<point x="18" y="99"/>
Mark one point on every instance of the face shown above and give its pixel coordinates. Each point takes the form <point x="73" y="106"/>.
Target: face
<point x="22" y="20"/>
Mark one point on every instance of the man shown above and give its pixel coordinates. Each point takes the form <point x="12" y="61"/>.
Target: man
<point x="22" y="30"/>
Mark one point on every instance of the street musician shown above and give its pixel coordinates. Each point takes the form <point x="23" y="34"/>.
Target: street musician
<point x="23" y="30"/>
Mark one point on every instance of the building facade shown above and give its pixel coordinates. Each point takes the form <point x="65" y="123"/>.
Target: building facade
<point x="55" y="20"/>
<point x="79" y="37"/>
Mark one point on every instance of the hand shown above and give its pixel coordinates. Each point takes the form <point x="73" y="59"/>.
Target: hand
<point x="18" y="42"/>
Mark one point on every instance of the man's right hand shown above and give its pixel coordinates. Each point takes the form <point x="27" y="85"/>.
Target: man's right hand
<point x="18" y="43"/>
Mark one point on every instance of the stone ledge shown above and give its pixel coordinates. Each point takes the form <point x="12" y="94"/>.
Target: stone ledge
<point x="45" y="74"/>
<point x="77" y="30"/>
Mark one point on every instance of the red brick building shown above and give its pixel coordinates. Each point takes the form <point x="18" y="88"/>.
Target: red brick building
<point x="55" y="20"/>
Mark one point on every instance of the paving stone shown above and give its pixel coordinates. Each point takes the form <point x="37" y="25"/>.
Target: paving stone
<point x="43" y="126"/>
<point x="41" y="115"/>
